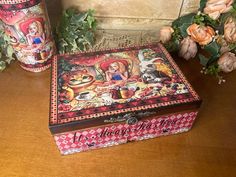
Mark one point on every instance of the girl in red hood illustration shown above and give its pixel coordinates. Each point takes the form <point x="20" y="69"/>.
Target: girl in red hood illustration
<point x="116" y="72"/>
<point x="35" y="35"/>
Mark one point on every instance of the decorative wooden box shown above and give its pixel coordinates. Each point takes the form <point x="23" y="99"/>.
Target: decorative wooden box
<point x="111" y="97"/>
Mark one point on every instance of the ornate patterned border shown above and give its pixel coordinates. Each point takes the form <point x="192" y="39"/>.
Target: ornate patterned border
<point x="115" y="134"/>
<point x="36" y="68"/>
<point x="168" y="56"/>
<point x="53" y="96"/>
<point x="138" y="105"/>
<point x="17" y="4"/>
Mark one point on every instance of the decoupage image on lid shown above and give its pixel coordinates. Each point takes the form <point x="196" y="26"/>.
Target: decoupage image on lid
<point x="119" y="86"/>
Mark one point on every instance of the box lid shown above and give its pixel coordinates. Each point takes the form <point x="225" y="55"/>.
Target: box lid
<point x="102" y="87"/>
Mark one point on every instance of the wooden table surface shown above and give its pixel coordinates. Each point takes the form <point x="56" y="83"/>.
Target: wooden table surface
<point x="28" y="149"/>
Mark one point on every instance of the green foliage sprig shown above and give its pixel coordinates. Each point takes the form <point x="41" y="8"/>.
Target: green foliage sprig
<point x="75" y="31"/>
<point x="6" y="50"/>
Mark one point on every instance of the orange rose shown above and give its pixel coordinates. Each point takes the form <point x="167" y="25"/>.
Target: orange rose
<point x="201" y="34"/>
<point x="216" y="7"/>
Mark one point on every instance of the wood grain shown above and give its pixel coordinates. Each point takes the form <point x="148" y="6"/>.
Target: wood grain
<point x="27" y="147"/>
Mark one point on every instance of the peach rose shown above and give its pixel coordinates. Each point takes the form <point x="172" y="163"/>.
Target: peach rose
<point x="216" y="7"/>
<point x="188" y="48"/>
<point x="230" y="30"/>
<point x="227" y="62"/>
<point x="166" y="33"/>
<point x="201" y="34"/>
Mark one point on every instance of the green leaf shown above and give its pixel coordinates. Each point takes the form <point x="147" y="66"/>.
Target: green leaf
<point x="94" y="25"/>
<point x="63" y="42"/>
<point x="210" y="22"/>
<point x="86" y="27"/>
<point x="90" y="21"/>
<point x="78" y="18"/>
<point x="202" y="5"/>
<point x="70" y="12"/>
<point x="73" y="46"/>
<point x="81" y="46"/>
<point x="183" y="29"/>
<point x="89" y="37"/>
<point x="9" y="60"/>
<point x="213" y="48"/>
<point x="2" y="65"/>
<point x="232" y="46"/>
<point x="2" y="41"/>
<point x="176" y="36"/>
<point x="91" y="12"/>
<point x="224" y="17"/>
<point x="62" y="46"/>
<point x="76" y="30"/>
<point x="6" y="38"/>
<point x="205" y="20"/>
<point x="212" y="60"/>
<point x="234" y="5"/>
<point x="213" y="69"/>
<point x="172" y="46"/>
<point x="9" y="51"/>
<point x="188" y="19"/>
<point x="203" y="60"/>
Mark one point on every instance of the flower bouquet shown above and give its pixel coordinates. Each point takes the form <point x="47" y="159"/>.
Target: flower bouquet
<point x="212" y="29"/>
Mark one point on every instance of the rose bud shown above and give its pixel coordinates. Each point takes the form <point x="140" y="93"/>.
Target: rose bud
<point x="230" y="30"/>
<point x="166" y="34"/>
<point x="224" y="45"/>
<point x="227" y="62"/>
<point x="188" y="48"/>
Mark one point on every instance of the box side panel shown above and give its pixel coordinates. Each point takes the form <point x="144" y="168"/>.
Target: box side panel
<point x="53" y="92"/>
<point x="94" y="138"/>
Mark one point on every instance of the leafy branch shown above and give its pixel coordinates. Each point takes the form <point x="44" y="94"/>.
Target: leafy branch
<point x="6" y="50"/>
<point x="75" y="31"/>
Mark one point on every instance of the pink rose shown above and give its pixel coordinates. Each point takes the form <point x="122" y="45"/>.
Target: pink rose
<point x="230" y="30"/>
<point x="188" y="48"/>
<point x="166" y="33"/>
<point x="216" y="7"/>
<point x="227" y="62"/>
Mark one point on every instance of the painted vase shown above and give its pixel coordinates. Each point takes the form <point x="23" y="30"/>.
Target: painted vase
<point x="27" y="24"/>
